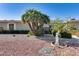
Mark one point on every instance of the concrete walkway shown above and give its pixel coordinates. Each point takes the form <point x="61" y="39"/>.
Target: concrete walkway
<point x="74" y="36"/>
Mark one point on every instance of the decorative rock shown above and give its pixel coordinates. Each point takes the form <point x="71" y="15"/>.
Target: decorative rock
<point x="45" y="50"/>
<point x="14" y="35"/>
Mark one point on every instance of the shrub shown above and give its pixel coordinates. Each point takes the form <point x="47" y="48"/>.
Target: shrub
<point x="47" y="32"/>
<point x="30" y="33"/>
<point x="39" y="32"/>
<point x="14" y="32"/>
<point x="54" y="33"/>
<point x="63" y="34"/>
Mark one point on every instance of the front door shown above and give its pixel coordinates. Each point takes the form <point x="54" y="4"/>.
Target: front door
<point x="11" y="26"/>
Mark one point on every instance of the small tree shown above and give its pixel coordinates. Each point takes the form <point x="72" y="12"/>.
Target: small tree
<point x="59" y="27"/>
<point x="35" y="19"/>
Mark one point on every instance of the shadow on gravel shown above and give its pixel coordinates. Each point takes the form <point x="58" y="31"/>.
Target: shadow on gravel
<point x="70" y="42"/>
<point x="47" y="38"/>
<point x="63" y="41"/>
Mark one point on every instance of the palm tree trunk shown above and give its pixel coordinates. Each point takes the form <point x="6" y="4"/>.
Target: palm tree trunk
<point x="57" y="39"/>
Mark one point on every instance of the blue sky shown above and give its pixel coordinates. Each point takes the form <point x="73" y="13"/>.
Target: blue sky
<point x="14" y="11"/>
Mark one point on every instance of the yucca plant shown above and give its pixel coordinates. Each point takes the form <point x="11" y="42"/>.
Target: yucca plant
<point x="35" y="19"/>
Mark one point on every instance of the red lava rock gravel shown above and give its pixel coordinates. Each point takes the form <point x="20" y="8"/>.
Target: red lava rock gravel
<point x="18" y="47"/>
<point x="31" y="47"/>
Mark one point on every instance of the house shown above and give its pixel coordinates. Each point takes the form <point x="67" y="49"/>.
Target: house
<point x="74" y="23"/>
<point x="13" y="25"/>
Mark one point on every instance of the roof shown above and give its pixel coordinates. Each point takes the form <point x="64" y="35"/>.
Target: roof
<point x="10" y="21"/>
<point x="73" y="21"/>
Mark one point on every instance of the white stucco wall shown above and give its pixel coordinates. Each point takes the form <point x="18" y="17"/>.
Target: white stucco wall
<point x="17" y="25"/>
<point x="77" y="26"/>
<point x="4" y="25"/>
<point x="20" y="26"/>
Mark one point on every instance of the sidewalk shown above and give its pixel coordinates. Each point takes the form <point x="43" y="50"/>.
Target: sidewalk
<point x="74" y="36"/>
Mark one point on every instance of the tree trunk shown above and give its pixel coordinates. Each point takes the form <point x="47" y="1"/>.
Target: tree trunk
<point x="31" y="29"/>
<point x="30" y="26"/>
<point x="57" y="39"/>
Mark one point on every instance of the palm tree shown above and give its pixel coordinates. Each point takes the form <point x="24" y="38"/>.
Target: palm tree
<point x="35" y="19"/>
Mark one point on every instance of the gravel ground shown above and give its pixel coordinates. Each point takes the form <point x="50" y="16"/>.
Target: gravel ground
<point x="20" y="45"/>
<point x="30" y="46"/>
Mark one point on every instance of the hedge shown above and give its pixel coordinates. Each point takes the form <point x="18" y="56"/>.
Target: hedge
<point x="14" y="32"/>
<point x="19" y="32"/>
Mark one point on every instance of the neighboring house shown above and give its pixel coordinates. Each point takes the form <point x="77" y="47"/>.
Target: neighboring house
<point x="74" y="23"/>
<point x="16" y="25"/>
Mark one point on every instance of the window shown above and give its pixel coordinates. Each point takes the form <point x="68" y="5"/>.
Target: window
<point x="1" y="28"/>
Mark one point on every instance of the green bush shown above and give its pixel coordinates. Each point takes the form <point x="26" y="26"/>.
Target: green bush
<point x="14" y="32"/>
<point x="54" y="33"/>
<point x="39" y="32"/>
<point x="63" y="34"/>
